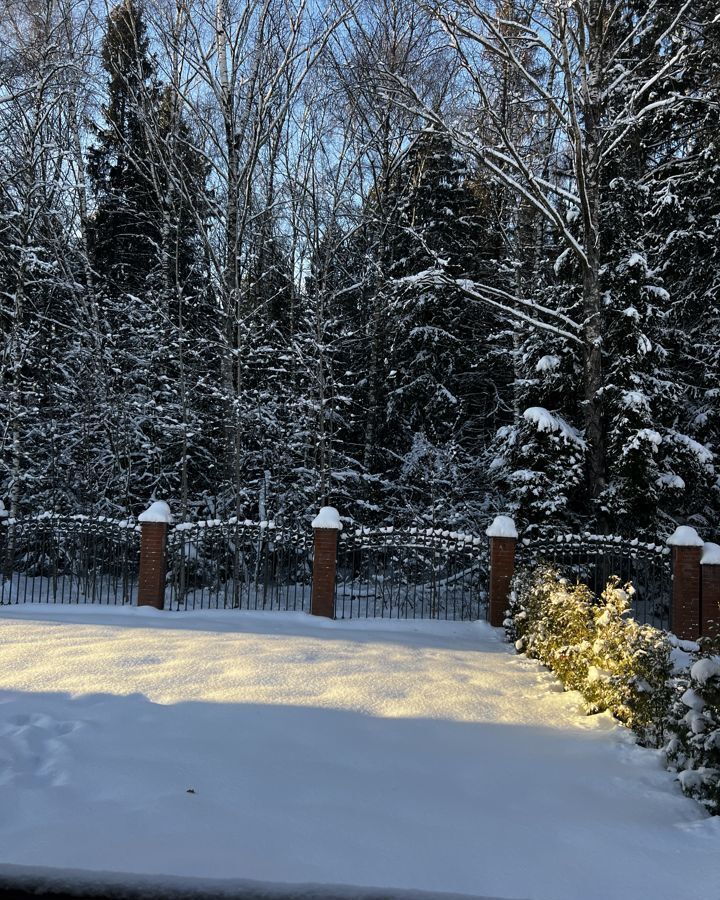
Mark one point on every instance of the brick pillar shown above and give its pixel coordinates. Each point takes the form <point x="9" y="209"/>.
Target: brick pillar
<point x="710" y="591"/>
<point x="503" y="539"/>
<point x="685" y="613"/>
<point x="154" y="524"/>
<point x="325" y="526"/>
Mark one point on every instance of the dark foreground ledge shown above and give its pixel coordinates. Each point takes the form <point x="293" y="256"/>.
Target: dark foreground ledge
<point x="67" y="884"/>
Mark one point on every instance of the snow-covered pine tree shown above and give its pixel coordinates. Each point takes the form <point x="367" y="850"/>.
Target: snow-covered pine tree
<point x="435" y="337"/>
<point x="126" y="228"/>
<point x="39" y="289"/>
<point x="634" y="375"/>
<point x="656" y="468"/>
<point x="538" y="460"/>
<point x="150" y="205"/>
<point x="683" y="225"/>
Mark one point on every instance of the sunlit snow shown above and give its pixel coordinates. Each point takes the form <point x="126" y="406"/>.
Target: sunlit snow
<point x="282" y="748"/>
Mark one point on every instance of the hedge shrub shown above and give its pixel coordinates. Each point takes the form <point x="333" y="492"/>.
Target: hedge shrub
<point x="594" y="647"/>
<point x="694" y="747"/>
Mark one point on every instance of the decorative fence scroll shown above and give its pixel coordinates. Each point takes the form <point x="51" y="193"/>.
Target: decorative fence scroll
<point x="68" y="559"/>
<point x="592" y="559"/>
<point x="411" y="573"/>
<point x="239" y="565"/>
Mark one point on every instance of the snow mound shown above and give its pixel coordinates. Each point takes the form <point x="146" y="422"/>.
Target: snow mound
<point x="702" y="454"/>
<point x="502" y="527"/>
<point x="705" y="669"/>
<point x="547" y="363"/>
<point x="671" y="481"/>
<point x="328" y="517"/>
<point x="710" y="555"/>
<point x="158" y="511"/>
<point x="548" y="422"/>
<point x="684" y="536"/>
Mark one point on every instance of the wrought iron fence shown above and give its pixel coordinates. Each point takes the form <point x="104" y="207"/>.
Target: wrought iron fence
<point x="239" y="565"/>
<point x="68" y="559"/>
<point x="592" y="559"/>
<point x="411" y="573"/>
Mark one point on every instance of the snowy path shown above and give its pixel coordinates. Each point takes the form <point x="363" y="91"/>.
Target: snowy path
<point x="411" y="755"/>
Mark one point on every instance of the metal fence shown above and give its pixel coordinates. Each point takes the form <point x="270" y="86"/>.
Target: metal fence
<point x="411" y="573"/>
<point x="68" y="559"/>
<point x="592" y="559"/>
<point x="408" y="573"/>
<point x="238" y="565"/>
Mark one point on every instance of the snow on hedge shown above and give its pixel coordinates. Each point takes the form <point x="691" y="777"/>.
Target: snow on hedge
<point x="694" y="721"/>
<point x="705" y="669"/>
<point x="594" y="647"/>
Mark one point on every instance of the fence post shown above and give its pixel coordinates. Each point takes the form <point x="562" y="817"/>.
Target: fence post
<point x="503" y="539"/>
<point x="710" y="591"/>
<point x="686" y="552"/>
<point x="153" y="539"/>
<point x="326" y="526"/>
<point x="5" y="567"/>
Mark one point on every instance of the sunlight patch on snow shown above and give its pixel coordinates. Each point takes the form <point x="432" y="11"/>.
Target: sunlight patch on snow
<point x="402" y="754"/>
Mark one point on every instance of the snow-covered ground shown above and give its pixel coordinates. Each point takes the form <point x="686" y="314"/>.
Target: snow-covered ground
<point x="289" y="749"/>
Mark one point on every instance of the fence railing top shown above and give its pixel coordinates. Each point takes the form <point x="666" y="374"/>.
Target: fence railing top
<point x="403" y="533"/>
<point x="129" y="523"/>
<point x="604" y="540"/>
<point x="235" y="522"/>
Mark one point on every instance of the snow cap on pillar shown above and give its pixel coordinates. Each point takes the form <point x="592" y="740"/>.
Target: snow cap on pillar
<point x="328" y="517"/>
<point x="710" y="555"/>
<point x="158" y="511"/>
<point x="684" y="536"/>
<point x="502" y="527"/>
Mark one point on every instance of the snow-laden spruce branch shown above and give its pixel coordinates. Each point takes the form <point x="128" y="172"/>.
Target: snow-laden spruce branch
<point x="510" y="306"/>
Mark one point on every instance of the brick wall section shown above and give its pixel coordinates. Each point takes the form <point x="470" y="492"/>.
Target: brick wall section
<point x="710" y="620"/>
<point x="686" y="592"/>
<point x="324" y="567"/>
<point x="502" y="569"/>
<point x="151" y="580"/>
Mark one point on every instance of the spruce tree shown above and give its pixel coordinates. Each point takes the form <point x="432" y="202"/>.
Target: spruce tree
<point x="434" y="336"/>
<point x="127" y="223"/>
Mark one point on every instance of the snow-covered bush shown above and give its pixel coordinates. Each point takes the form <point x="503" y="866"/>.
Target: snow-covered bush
<point x="594" y="647"/>
<point x="694" y="748"/>
<point x="630" y="670"/>
<point x="551" y="620"/>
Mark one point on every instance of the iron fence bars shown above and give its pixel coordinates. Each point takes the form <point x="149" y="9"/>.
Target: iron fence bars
<point x="592" y="559"/>
<point x="238" y="565"/>
<point x="68" y="559"/>
<point x="411" y="573"/>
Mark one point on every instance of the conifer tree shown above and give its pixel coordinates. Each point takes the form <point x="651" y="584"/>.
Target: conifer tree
<point x="127" y="222"/>
<point x="434" y="375"/>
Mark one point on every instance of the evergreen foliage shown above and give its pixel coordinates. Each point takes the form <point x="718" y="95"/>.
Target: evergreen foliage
<point x="594" y="647"/>
<point x="254" y="288"/>
<point x="694" y="747"/>
<point x="127" y="222"/>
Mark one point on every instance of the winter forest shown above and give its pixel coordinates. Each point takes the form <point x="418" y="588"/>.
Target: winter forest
<point x="422" y="261"/>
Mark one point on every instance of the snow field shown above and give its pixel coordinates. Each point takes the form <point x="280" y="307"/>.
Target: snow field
<point x="404" y="754"/>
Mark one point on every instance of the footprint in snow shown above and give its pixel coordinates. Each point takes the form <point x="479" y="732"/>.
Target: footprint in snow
<point x="32" y="750"/>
